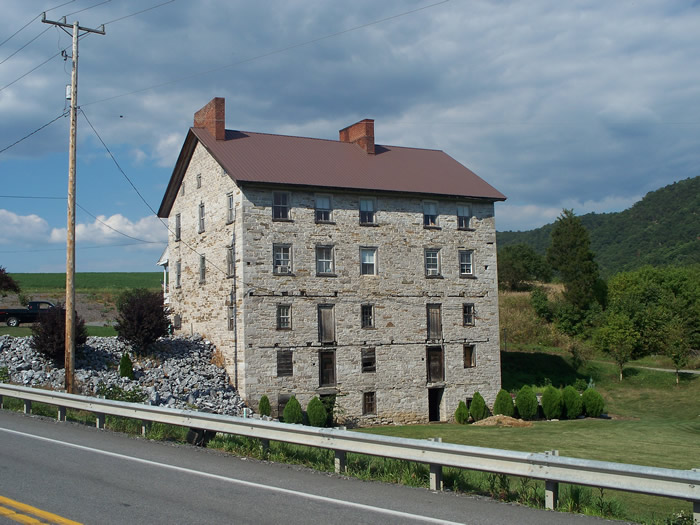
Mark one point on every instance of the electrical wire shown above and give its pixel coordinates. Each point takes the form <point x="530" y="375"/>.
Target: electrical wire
<point x="139" y="12"/>
<point x="25" y="45"/>
<point x="32" y="20"/>
<point x="33" y="132"/>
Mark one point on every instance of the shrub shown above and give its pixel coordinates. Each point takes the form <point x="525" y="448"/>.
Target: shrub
<point x="551" y="402"/>
<point x="126" y="367"/>
<point x="328" y="401"/>
<point x="540" y="303"/>
<point x="593" y="403"/>
<point x="580" y="354"/>
<point x="4" y="374"/>
<point x="504" y="404"/>
<point x="316" y="413"/>
<point x="117" y="393"/>
<point x="478" y="409"/>
<point x="264" y="406"/>
<point x="526" y="403"/>
<point x="580" y="385"/>
<point x="573" y="405"/>
<point x="292" y="412"/>
<point x="462" y="413"/>
<point x="49" y="334"/>
<point x="141" y="318"/>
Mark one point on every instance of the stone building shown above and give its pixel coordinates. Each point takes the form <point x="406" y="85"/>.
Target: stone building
<point x="336" y="268"/>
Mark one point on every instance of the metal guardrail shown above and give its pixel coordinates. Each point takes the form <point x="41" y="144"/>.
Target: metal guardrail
<point x="672" y="483"/>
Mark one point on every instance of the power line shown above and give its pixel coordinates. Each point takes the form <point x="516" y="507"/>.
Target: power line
<point x="99" y="247"/>
<point x="32" y="20"/>
<point x="33" y="132"/>
<point x="270" y="53"/>
<point x="25" y="45"/>
<point x="139" y="12"/>
<point x="87" y="8"/>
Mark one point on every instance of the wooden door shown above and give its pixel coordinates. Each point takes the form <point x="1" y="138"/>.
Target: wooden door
<point x="434" y="322"/>
<point x="435" y="364"/>
<point x="326" y="324"/>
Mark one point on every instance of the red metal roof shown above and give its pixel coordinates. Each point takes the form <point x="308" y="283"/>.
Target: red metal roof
<point x="279" y="159"/>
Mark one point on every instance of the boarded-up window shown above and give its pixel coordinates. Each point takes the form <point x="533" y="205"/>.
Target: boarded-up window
<point x="369" y="360"/>
<point x="435" y="364"/>
<point x="434" y="321"/>
<point x="285" y="367"/>
<point x="326" y="324"/>
<point x="469" y="356"/>
<point x="326" y="367"/>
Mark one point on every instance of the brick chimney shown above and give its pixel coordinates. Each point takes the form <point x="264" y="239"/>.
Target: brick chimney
<point x="212" y="117"/>
<point x="360" y="133"/>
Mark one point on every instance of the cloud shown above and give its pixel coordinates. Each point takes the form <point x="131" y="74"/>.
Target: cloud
<point x="117" y="228"/>
<point x="22" y="229"/>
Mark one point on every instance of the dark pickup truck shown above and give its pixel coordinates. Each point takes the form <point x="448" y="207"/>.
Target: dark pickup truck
<point x="25" y="315"/>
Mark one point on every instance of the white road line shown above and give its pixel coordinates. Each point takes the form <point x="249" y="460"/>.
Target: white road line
<point x="296" y="493"/>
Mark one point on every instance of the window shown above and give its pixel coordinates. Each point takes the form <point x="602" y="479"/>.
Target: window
<point x="463" y="216"/>
<point x="230" y="314"/>
<point x="201" y="217"/>
<point x="430" y="214"/>
<point x="326" y="324"/>
<point x="280" y="205"/>
<point x="199" y="180"/>
<point x="469" y="356"/>
<point x="202" y="269"/>
<point x="435" y="362"/>
<point x="369" y="405"/>
<point x="231" y="214"/>
<point x="434" y="321"/>
<point x="369" y="360"/>
<point x="368" y="261"/>
<point x="367" y="313"/>
<point x="324" y="260"/>
<point x="178" y="227"/>
<point x="367" y="211"/>
<point x="178" y="273"/>
<point x="468" y="314"/>
<point x="465" y="263"/>
<point x="326" y="359"/>
<point x="324" y="212"/>
<point x="229" y="261"/>
<point x="182" y="188"/>
<point x="285" y="363"/>
<point x="281" y="259"/>
<point x="432" y="262"/>
<point x="284" y="317"/>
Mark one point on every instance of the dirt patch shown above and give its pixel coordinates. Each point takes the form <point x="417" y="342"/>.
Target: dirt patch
<point x="503" y="421"/>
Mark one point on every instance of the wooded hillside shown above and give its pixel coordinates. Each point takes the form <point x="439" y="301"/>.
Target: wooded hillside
<point x="661" y="229"/>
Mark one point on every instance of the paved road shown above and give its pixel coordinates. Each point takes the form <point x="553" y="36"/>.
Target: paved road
<point x="93" y="476"/>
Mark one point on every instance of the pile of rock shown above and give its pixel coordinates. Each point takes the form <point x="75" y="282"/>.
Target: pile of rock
<point x="179" y="372"/>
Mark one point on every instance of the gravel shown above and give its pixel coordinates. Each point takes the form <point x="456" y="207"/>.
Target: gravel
<point x="178" y="373"/>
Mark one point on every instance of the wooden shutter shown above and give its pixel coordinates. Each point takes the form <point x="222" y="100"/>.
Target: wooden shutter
<point x="434" y="322"/>
<point x="326" y="324"/>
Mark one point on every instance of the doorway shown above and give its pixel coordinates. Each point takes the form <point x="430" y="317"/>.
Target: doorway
<point x="434" y="401"/>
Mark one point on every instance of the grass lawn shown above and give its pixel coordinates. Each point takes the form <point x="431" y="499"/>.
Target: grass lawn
<point x="656" y="423"/>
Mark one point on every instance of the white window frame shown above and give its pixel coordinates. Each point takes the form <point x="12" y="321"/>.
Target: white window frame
<point x="202" y="269"/>
<point x="178" y="274"/>
<point x="282" y="212"/>
<point x="178" y="226"/>
<point x="229" y="261"/>
<point x="325" y="259"/>
<point x="230" y="212"/>
<point x="199" y="180"/>
<point x="430" y="220"/>
<point x="368" y="265"/>
<point x="466" y="267"/>
<point x="284" y="317"/>
<point x="432" y="262"/>
<point x="323" y="214"/>
<point x="281" y="269"/>
<point x="367" y="321"/>
<point x="468" y="314"/>
<point x="201" y="217"/>
<point x="368" y="205"/>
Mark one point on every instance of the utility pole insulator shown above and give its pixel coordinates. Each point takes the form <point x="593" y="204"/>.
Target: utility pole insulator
<point x="70" y="240"/>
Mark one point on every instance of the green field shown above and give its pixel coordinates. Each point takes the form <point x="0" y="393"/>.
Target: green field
<point x="87" y="281"/>
<point x="24" y="331"/>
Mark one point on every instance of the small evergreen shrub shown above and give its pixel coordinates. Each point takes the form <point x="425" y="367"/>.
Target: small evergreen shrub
<point x="126" y="367"/>
<point x="264" y="406"/>
<point x="462" y="413"/>
<point x="580" y="385"/>
<point x="49" y="334"/>
<point x="504" y="404"/>
<point x="478" y="409"/>
<point x="551" y="403"/>
<point x="573" y="404"/>
<point x="526" y="403"/>
<point x="593" y="403"/>
<point x="540" y="303"/>
<point x="117" y="393"/>
<point x="329" y="404"/>
<point x="141" y="318"/>
<point x="316" y="413"/>
<point x="292" y="412"/>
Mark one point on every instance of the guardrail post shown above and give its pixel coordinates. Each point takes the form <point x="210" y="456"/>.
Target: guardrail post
<point x="341" y="462"/>
<point x="61" y="416"/>
<point x="436" y="471"/>
<point x="696" y="512"/>
<point x="265" y="444"/>
<point x="100" y="421"/>
<point x="1" y="406"/>
<point x="145" y="427"/>
<point x="551" y="488"/>
<point x="27" y="406"/>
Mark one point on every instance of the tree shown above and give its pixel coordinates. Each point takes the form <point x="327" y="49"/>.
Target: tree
<point x="677" y="345"/>
<point x="7" y="283"/>
<point x="519" y="263"/>
<point x="49" y="334"/>
<point x="617" y="337"/>
<point x="141" y="318"/>
<point x="570" y="255"/>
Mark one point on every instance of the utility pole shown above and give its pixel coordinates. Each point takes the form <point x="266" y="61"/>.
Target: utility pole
<point x="70" y="241"/>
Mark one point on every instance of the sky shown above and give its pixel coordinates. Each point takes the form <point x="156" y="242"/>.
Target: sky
<point x="580" y="104"/>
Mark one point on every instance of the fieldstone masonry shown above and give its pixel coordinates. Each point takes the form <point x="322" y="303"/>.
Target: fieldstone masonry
<point x="237" y="310"/>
